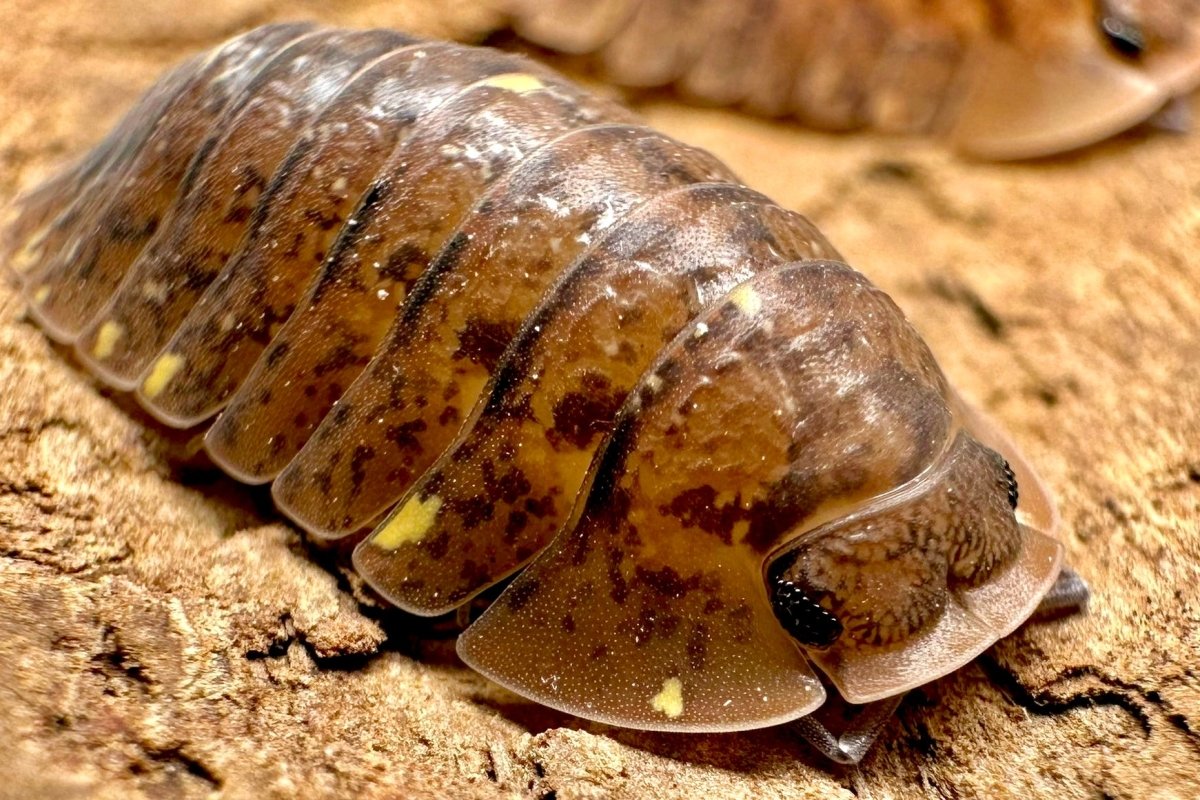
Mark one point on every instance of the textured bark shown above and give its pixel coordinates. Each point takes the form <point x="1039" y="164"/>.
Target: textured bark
<point x="163" y="634"/>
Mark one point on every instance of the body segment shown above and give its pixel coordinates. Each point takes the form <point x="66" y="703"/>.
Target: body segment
<point x="508" y="484"/>
<point x="220" y="194"/>
<point x="403" y="220"/>
<point x="320" y="185"/>
<point x="431" y="369"/>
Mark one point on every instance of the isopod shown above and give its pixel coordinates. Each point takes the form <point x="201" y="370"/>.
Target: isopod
<point x="444" y="294"/>
<point x="1001" y="79"/>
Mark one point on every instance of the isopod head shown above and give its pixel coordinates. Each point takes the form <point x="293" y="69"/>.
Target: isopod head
<point x="792" y="485"/>
<point x="895" y="596"/>
<point x="1104" y="74"/>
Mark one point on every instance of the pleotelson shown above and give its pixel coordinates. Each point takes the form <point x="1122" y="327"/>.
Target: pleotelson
<point x="442" y="293"/>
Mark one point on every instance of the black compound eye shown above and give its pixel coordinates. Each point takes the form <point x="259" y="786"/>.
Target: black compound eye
<point x="804" y="618"/>
<point x="1123" y="34"/>
<point x="1014" y="493"/>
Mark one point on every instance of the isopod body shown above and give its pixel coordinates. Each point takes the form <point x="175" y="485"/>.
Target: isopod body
<point x="1000" y="79"/>
<point x="441" y="292"/>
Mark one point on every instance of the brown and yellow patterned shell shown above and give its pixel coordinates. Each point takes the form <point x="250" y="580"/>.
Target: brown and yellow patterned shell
<point x="1000" y="78"/>
<point x="442" y="294"/>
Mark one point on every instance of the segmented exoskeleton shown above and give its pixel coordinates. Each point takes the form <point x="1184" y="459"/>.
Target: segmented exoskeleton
<point x="443" y="293"/>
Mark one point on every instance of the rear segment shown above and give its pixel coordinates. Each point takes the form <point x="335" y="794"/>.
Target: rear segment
<point x="217" y="200"/>
<point x="83" y="257"/>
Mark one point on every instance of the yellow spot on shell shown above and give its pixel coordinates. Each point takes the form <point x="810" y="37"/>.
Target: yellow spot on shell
<point x="670" y="700"/>
<point x="748" y="301"/>
<point x="106" y="338"/>
<point x="165" y="368"/>
<point x="519" y="82"/>
<point x="41" y="295"/>
<point x="409" y="524"/>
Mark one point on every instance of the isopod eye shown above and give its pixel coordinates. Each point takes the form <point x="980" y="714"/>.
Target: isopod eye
<point x="1123" y="33"/>
<point x="805" y="619"/>
<point x="1014" y="493"/>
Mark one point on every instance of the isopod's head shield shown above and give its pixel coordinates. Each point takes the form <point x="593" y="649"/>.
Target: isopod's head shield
<point x="918" y="581"/>
<point x="1092" y="78"/>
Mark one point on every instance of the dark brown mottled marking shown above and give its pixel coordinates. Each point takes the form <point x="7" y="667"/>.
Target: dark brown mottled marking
<point x="351" y="304"/>
<point x="581" y="417"/>
<point x="630" y="295"/>
<point x="331" y="167"/>
<point x="483" y="341"/>
<point x="565" y="194"/>
<point x="684" y="477"/>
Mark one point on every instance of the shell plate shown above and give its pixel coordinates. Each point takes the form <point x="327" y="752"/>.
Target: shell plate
<point x="442" y="292"/>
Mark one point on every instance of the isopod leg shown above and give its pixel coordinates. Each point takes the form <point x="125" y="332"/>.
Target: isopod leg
<point x="844" y="732"/>
<point x="1068" y="595"/>
<point x="1174" y="117"/>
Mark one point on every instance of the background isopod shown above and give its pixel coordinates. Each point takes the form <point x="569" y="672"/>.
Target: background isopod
<point x="305" y="635"/>
<point x="1011" y="79"/>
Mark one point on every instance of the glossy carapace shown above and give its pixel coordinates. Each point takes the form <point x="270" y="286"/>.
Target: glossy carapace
<point x="441" y="294"/>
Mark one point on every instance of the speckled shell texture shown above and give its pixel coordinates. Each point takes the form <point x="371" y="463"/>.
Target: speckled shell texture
<point x="441" y="294"/>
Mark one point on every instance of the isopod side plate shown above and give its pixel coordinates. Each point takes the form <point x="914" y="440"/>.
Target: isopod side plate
<point x="176" y="266"/>
<point x="107" y="225"/>
<point x="39" y="222"/>
<point x="430" y="370"/>
<point x="330" y="168"/>
<point x="406" y="220"/>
